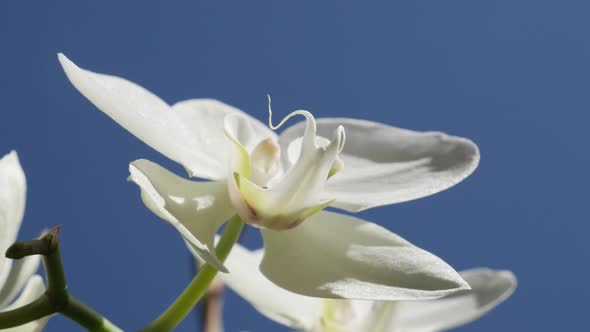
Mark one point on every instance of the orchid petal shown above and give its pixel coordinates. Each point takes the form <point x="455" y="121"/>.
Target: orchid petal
<point x="332" y="255"/>
<point x="13" y="187"/>
<point x="32" y="291"/>
<point x="19" y="274"/>
<point x="195" y="209"/>
<point x="386" y="165"/>
<point x="188" y="132"/>
<point x="294" y="310"/>
<point x="488" y="289"/>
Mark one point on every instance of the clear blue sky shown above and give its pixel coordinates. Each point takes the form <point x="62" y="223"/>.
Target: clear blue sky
<point x="512" y="75"/>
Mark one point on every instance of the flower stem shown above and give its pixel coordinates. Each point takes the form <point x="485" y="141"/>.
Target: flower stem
<point x="88" y="318"/>
<point x="27" y="313"/>
<point x="56" y="297"/>
<point x="199" y="285"/>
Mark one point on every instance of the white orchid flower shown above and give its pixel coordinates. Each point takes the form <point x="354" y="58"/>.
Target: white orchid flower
<point x="488" y="289"/>
<point x="281" y="184"/>
<point x="16" y="276"/>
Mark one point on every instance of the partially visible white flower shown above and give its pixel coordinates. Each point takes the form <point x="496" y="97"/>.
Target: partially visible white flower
<point x="16" y="276"/>
<point x="488" y="289"/>
<point x="280" y="184"/>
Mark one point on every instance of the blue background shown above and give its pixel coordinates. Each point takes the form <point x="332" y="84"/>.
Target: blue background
<point x="512" y="75"/>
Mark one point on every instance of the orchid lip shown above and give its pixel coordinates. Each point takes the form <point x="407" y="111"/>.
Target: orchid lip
<point x="266" y="195"/>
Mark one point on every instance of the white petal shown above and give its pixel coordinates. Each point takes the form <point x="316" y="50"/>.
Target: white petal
<point x="386" y="165"/>
<point x="13" y="189"/>
<point x="332" y="255"/>
<point x="20" y="273"/>
<point x="33" y="290"/>
<point x="294" y="310"/>
<point x="489" y="288"/>
<point x="195" y="209"/>
<point x="189" y="132"/>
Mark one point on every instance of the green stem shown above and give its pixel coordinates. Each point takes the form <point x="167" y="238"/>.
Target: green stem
<point x="88" y="318"/>
<point x="198" y="286"/>
<point x="57" y="289"/>
<point x="27" y="313"/>
<point x="56" y="297"/>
